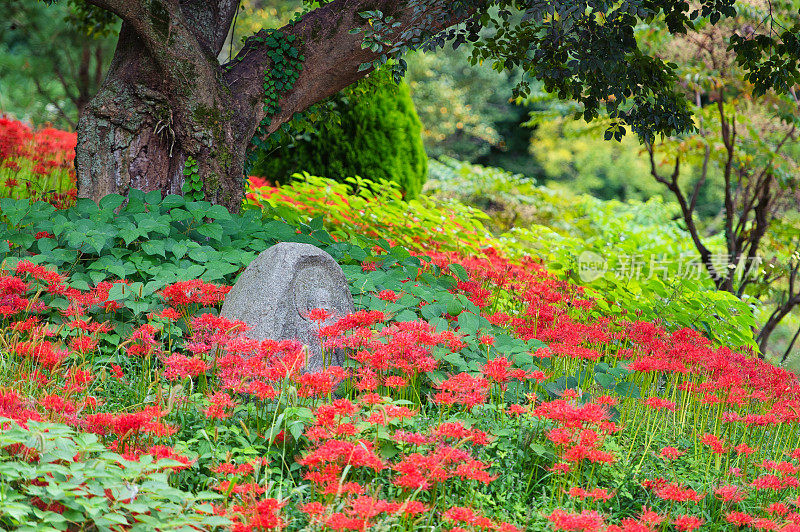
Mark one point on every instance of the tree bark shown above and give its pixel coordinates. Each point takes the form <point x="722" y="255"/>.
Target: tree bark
<point x="166" y="98"/>
<point x="139" y="130"/>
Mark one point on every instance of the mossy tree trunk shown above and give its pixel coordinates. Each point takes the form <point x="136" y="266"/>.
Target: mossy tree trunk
<point x="166" y="97"/>
<point x="162" y="102"/>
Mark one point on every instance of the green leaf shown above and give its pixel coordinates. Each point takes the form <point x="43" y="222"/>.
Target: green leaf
<point x="460" y="272"/>
<point x="605" y="380"/>
<point x="153" y="197"/>
<point x="628" y="389"/>
<point x="406" y="315"/>
<point x="454" y="307"/>
<point x="172" y="200"/>
<point x="468" y="323"/>
<point x="211" y="230"/>
<point x="86" y="207"/>
<point x="14" y="210"/>
<point x="154" y="247"/>
<point x="111" y="202"/>
<point x="118" y="291"/>
<point x="218" y="212"/>
<point x="179" y="250"/>
<point x="431" y="311"/>
<point x="46" y="244"/>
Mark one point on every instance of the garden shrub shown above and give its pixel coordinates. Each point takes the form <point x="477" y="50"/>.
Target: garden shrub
<point x="647" y="255"/>
<point x="373" y="132"/>
<point x="568" y="229"/>
<point x="53" y="478"/>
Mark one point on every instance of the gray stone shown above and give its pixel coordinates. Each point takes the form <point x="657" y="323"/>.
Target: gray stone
<point x="275" y="292"/>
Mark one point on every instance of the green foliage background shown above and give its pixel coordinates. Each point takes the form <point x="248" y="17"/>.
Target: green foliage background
<point x="372" y="131"/>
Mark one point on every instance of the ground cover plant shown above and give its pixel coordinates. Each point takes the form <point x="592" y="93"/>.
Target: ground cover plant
<point x="476" y="376"/>
<point x="482" y="391"/>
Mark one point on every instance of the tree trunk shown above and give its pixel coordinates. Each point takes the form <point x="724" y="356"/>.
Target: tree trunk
<point x="166" y="98"/>
<point x="138" y="132"/>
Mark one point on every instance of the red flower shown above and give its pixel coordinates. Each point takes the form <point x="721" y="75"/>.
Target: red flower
<point x="318" y="315"/>
<point x="670" y="453"/>
<point x="739" y="518"/>
<point x="678" y="493"/>
<point x="658" y="403"/>
<point x="388" y="295"/>
<point x="687" y="523"/>
<point x="730" y="493"/>
<point x="220" y="402"/>
<point x="586" y="521"/>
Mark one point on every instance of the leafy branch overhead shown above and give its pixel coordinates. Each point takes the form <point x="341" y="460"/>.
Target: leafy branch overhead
<point x="584" y="50"/>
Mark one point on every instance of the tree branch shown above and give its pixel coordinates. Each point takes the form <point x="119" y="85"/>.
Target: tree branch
<point x="124" y="9"/>
<point x="210" y="20"/>
<point x="686" y="211"/>
<point x="332" y="53"/>
<point x="729" y="140"/>
<point x="55" y="103"/>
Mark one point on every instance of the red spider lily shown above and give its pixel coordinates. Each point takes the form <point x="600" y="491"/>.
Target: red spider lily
<point x="262" y="516"/>
<point x="777" y="508"/>
<point x="486" y="339"/>
<point x="83" y="344"/>
<point x="161" y="452"/>
<point x="457" y="431"/>
<point x="561" y="468"/>
<point x="730" y="493"/>
<point x="321" y="383"/>
<point x="687" y="523"/>
<point x="717" y="445"/>
<point x="237" y="469"/>
<point x="678" y="493"/>
<point x="220" y="403"/>
<point x="586" y="521"/>
<point x="195" y="292"/>
<point x="496" y="369"/>
<point x="143" y="342"/>
<point x="388" y="295"/>
<point x="763" y="523"/>
<point x="122" y="424"/>
<point x="516" y="410"/>
<point x="671" y="453"/>
<point x="656" y="403"/>
<point x="116" y="370"/>
<point x="45" y="353"/>
<point x="739" y="518"/>
<point x="650" y="517"/>
<point x="395" y="381"/>
<point x="463" y="389"/>
<point x="177" y="367"/>
<point x="318" y="315"/>
<point x="600" y="494"/>
<point x="785" y="468"/>
<point x="744" y="449"/>
<point x="768" y="482"/>
<point x="419" y="471"/>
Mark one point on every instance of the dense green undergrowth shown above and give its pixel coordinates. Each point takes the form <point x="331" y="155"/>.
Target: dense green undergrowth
<point x="484" y="389"/>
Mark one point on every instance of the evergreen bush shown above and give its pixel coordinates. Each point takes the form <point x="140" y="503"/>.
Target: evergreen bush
<point x="374" y="132"/>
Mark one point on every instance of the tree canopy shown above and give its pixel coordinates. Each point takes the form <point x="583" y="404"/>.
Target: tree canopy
<point x="167" y="94"/>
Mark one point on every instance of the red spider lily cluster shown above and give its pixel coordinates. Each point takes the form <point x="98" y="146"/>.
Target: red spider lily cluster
<point x="619" y="425"/>
<point x="37" y="164"/>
